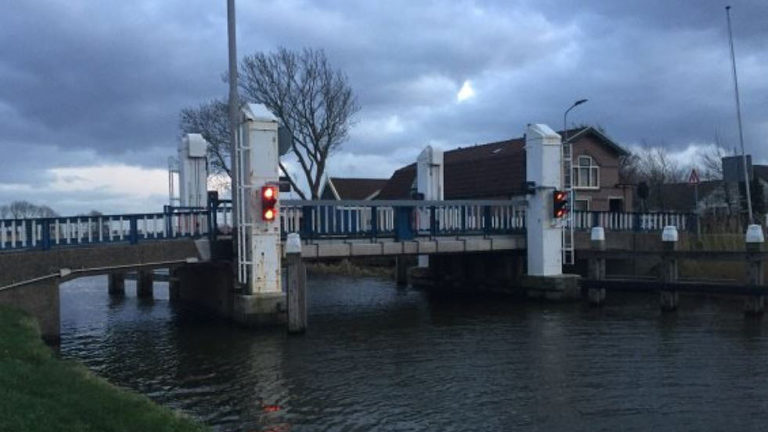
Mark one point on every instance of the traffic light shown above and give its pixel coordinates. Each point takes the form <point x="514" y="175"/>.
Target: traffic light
<point x="559" y="204"/>
<point x="268" y="202"/>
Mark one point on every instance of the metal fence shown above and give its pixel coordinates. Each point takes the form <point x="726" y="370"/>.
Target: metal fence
<point x="639" y="222"/>
<point x="399" y="219"/>
<point x="47" y="233"/>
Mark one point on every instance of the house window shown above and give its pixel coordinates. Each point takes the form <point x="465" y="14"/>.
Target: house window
<point x="581" y="205"/>
<point x="586" y="174"/>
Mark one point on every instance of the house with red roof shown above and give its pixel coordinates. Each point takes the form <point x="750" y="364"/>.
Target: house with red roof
<point x="497" y="171"/>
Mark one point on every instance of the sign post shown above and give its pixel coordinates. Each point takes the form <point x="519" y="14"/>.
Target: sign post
<point x="693" y="179"/>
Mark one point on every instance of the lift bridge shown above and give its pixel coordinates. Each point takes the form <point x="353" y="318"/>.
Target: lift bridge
<point x="229" y="257"/>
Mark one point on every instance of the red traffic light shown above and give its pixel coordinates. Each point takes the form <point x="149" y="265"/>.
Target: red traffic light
<point x="559" y="204"/>
<point x="268" y="202"/>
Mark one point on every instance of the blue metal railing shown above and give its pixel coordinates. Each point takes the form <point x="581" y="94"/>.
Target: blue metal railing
<point x="399" y="220"/>
<point x="47" y="233"/>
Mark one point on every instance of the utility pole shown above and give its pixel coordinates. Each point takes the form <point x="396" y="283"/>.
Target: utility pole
<point x="233" y="111"/>
<point x="738" y="116"/>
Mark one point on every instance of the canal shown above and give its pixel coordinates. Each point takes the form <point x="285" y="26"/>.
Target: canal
<point x="377" y="357"/>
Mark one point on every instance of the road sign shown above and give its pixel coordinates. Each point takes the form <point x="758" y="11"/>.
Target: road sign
<point x="693" y="179"/>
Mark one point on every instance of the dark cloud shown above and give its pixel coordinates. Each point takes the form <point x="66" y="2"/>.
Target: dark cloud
<point x="89" y="83"/>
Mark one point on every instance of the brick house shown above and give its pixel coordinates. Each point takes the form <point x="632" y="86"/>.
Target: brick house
<point x="497" y="171"/>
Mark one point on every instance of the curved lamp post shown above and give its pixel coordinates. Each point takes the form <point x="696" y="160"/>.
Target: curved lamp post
<point x="565" y="117"/>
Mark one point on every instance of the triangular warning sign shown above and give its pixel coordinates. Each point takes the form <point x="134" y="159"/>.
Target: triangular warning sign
<point x="693" y="178"/>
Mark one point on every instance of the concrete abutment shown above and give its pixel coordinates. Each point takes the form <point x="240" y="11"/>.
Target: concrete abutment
<point x="41" y="301"/>
<point x="210" y="288"/>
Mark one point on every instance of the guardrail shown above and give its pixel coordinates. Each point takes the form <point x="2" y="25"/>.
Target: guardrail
<point x="47" y="233"/>
<point x="626" y="221"/>
<point x="401" y="219"/>
<point x="398" y="219"/>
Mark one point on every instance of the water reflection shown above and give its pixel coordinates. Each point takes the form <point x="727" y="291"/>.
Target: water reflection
<point x="380" y="358"/>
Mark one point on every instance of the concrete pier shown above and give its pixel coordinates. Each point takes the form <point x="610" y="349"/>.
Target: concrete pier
<point x="116" y="284"/>
<point x="401" y="270"/>
<point x="145" y="284"/>
<point x="210" y="288"/>
<point x="173" y="285"/>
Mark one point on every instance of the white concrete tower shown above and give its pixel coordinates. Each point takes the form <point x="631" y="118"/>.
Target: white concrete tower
<point x="544" y="234"/>
<point x="430" y="174"/>
<point x="429" y="182"/>
<point x="193" y="171"/>
<point x="258" y="237"/>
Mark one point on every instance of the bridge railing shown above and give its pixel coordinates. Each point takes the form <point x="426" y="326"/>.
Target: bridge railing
<point x="633" y="221"/>
<point x="401" y="219"/>
<point x="47" y="233"/>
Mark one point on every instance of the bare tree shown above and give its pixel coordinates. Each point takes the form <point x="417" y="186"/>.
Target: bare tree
<point x="629" y="169"/>
<point x="26" y="210"/>
<point x="654" y="167"/>
<point x="211" y="120"/>
<point x="313" y="101"/>
<point x="711" y="161"/>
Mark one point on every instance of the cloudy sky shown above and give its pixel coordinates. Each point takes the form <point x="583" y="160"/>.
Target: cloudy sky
<point x="90" y="91"/>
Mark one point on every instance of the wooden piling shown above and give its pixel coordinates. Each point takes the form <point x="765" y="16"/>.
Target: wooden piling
<point x="297" y="286"/>
<point x="596" y="296"/>
<point x="755" y="304"/>
<point x="401" y="270"/>
<point x="669" y="299"/>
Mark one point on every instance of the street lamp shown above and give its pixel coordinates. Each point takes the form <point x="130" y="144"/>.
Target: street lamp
<point x="566" y="154"/>
<point x="565" y="117"/>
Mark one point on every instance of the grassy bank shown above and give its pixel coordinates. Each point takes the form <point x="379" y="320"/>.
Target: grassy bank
<point x="39" y="392"/>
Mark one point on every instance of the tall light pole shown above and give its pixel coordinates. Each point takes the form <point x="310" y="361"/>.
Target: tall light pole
<point x="565" y="117"/>
<point x="738" y="115"/>
<point x="233" y="107"/>
<point x="566" y="153"/>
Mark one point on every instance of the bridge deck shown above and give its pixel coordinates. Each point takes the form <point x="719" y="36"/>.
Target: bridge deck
<point x="420" y="246"/>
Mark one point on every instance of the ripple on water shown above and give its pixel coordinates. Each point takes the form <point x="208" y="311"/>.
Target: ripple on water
<point x="381" y="358"/>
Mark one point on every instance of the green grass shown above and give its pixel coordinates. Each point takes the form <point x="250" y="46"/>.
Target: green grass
<point x="39" y="392"/>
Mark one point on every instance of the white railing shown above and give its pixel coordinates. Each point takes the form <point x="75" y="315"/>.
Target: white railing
<point x="46" y="233"/>
<point x="622" y="221"/>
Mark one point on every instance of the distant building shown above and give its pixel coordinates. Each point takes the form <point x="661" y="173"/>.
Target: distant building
<point x="715" y="197"/>
<point x="497" y="171"/>
<point x="337" y="188"/>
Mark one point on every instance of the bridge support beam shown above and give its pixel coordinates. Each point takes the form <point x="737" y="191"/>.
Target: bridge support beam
<point x="669" y="300"/>
<point x="755" y="304"/>
<point x="144" y="284"/>
<point x="116" y="284"/>
<point x="41" y="301"/>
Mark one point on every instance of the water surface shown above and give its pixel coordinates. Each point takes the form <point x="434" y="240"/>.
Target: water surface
<point x="377" y="357"/>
